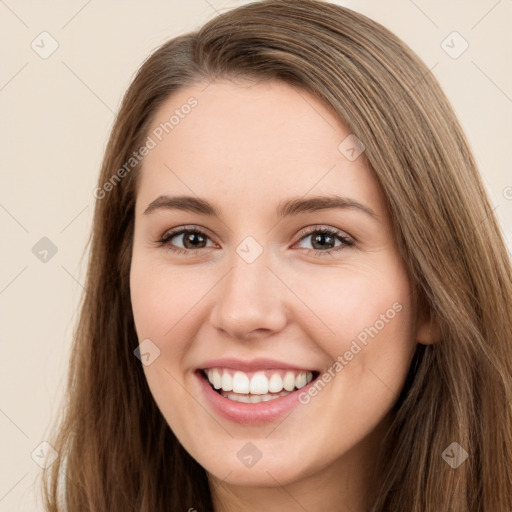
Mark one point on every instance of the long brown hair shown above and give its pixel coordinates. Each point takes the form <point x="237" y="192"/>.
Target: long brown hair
<point x="116" y="451"/>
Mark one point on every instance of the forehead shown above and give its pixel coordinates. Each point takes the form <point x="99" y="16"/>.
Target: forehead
<point x="251" y="117"/>
<point x="245" y="141"/>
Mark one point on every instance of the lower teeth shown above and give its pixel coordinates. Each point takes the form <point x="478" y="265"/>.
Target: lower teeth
<point x="253" y="399"/>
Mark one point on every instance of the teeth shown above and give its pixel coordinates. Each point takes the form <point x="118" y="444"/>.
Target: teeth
<point x="275" y="384"/>
<point x="216" y="380"/>
<point x="227" y="382"/>
<point x="258" y="385"/>
<point x="289" y="381"/>
<point x="240" y="383"/>
<point x="301" y="380"/>
<point x="252" y="399"/>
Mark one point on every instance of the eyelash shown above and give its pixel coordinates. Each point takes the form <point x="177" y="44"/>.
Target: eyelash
<point x="165" y="240"/>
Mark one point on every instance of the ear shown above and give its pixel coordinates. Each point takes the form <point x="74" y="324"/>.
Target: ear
<point x="427" y="330"/>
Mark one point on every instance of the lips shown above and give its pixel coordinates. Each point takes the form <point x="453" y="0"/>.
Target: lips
<point x="236" y="388"/>
<point x="247" y="408"/>
<point x="252" y="365"/>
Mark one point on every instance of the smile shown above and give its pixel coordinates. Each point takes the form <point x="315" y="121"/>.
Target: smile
<point x="256" y="386"/>
<point x="253" y="392"/>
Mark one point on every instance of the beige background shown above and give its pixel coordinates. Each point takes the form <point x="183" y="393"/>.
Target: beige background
<point x="56" y="114"/>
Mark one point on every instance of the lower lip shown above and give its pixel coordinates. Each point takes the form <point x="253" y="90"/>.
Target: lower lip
<point x="250" y="414"/>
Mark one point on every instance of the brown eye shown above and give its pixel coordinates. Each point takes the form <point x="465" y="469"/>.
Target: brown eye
<point x="323" y="240"/>
<point x="190" y="239"/>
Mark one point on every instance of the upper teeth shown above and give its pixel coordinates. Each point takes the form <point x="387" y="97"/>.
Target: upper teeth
<point x="258" y="383"/>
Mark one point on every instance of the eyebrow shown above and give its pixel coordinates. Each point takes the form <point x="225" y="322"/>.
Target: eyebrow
<point x="286" y="208"/>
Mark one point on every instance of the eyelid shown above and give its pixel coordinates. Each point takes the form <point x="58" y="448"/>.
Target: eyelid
<point x="171" y="233"/>
<point x="186" y="227"/>
<point x="319" y="227"/>
<point x="347" y="240"/>
<point x="308" y="230"/>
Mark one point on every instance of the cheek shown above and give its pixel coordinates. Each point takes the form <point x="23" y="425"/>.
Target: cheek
<point x="357" y="304"/>
<point x="370" y="350"/>
<point x="160" y="308"/>
<point x="370" y="314"/>
<point x="162" y="300"/>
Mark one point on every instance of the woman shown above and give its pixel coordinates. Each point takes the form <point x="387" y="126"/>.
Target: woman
<point x="298" y="295"/>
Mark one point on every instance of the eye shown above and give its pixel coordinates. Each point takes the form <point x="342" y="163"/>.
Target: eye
<point x="194" y="238"/>
<point x="324" y="240"/>
<point x="191" y="237"/>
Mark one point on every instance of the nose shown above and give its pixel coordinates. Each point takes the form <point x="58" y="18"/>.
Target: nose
<point x="249" y="300"/>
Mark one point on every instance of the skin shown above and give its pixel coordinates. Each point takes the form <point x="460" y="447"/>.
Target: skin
<point x="245" y="147"/>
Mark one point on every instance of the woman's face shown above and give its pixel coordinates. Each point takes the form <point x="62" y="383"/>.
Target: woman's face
<point x="254" y="294"/>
